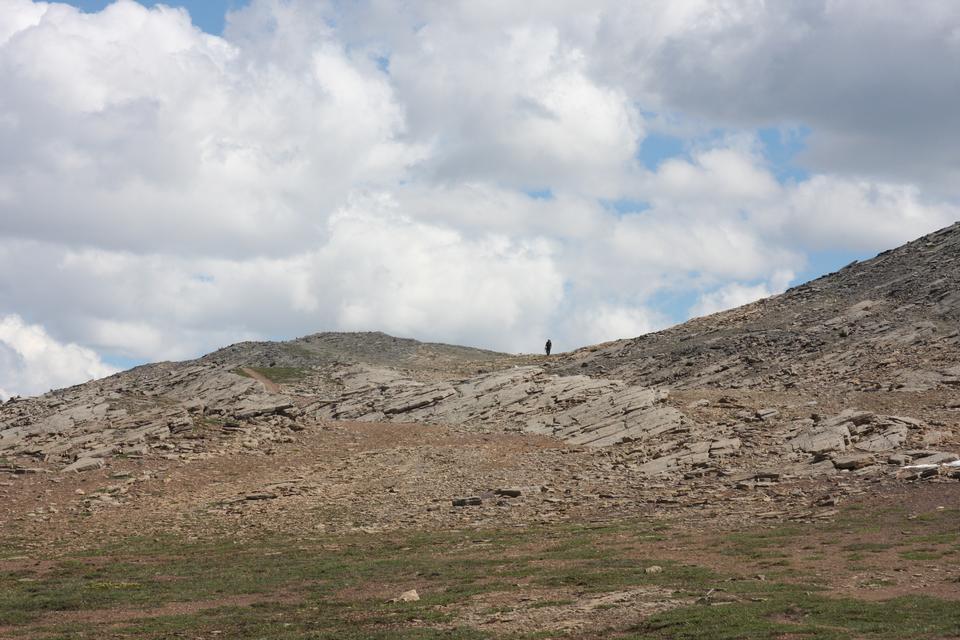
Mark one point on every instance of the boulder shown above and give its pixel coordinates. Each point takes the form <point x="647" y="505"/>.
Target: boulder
<point x="407" y="596"/>
<point x="852" y="462"/>
<point x="832" y="439"/>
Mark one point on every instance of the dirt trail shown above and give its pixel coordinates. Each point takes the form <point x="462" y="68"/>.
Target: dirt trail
<point x="267" y="383"/>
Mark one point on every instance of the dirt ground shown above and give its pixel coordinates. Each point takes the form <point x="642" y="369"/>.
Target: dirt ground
<point x="869" y="538"/>
<point x="343" y="477"/>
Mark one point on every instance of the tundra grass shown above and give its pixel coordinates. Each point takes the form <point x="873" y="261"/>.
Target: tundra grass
<point x="342" y="586"/>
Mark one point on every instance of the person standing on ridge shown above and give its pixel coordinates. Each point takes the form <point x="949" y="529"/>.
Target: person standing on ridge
<point x="548" y="346"/>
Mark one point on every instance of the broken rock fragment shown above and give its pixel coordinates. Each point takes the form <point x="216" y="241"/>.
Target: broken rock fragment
<point x="85" y="464"/>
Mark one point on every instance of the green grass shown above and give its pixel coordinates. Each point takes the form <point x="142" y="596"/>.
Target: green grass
<point x="809" y="616"/>
<point x="947" y="537"/>
<point x="872" y="547"/>
<point x="922" y="554"/>
<point x="150" y="572"/>
<point x="759" y="545"/>
<point x="340" y="587"/>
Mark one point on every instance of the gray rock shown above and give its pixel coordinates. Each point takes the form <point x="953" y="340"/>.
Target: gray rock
<point x="821" y="468"/>
<point x="263" y="495"/>
<point x="938" y="457"/>
<point x="581" y="410"/>
<point x="891" y="438"/>
<point x="833" y="439"/>
<point x="407" y="596"/>
<point x="724" y="446"/>
<point x="85" y="464"/>
<point x="658" y="466"/>
<point x="699" y="447"/>
<point x="899" y="459"/>
<point x="851" y="462"/>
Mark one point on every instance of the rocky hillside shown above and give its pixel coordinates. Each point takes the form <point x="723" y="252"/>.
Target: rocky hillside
<point x="852" y="373"/>
<point x="889" y="323"/>
<point x="373" y="348"/>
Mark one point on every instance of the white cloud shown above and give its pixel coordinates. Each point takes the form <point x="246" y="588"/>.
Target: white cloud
<point x="736" y="294"/>
<point x="388" y="271"/>
<point x="32" y="362"/>
<point x="451" y="171"/>
<point x="378" y="269"/>
<point x="827" y="212"/>
<point x="874" y="81"/>
<point x="132" y="129"/>
<point x="512" y="101"/>
<point x="605" y="322"/>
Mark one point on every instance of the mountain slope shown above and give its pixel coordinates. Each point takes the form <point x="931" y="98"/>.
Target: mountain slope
<point x="883" y="324"/>
<point x="848" y="344"/>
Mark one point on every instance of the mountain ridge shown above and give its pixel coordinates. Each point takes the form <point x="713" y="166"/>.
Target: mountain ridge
<point x="810" y="333"/>
<point x="846" y="380"/>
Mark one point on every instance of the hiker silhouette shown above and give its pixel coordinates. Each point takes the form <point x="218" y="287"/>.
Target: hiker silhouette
<point x="548" y="346"/>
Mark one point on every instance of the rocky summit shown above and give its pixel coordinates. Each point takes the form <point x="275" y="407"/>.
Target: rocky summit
<point x="840" y="391"/>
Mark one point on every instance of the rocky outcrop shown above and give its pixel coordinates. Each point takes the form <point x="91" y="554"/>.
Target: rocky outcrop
<point x="851" y="441"/>
<point x="129" y="413"/>
<point x="852" y="429"/>
<point x="164" y="409"/>
<point x="578" y="409"/>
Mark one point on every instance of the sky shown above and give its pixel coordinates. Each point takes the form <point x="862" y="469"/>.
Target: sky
<point x="178" y="177"/>
<point x="208" y="15"/>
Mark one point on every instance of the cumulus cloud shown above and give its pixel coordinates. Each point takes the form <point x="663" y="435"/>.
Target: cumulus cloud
<point x="736" y="294"/>
<point x="874" y="81"/>
<point x="605" y="321"/>
<point x="131" y="129"/>
<point x="32" y="362"/>
<point x="457" y="171"/>
<point x="389" y="272"/>
<point x="520" y="109"/>
<point x="827" y="212"/>
<point x="378" y="269"/>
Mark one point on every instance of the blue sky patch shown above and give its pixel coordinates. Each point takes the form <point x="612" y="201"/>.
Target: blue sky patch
<point x="540" y="194"/>
<point x="123" y="362"/>
<point x="625" y="206"/>
<point x="209" y="15"/>
<point x="821" y="263"/>
<point x="781" y="147"/>
<point x="675" y="303"/>
<point x="657" y="147"/>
